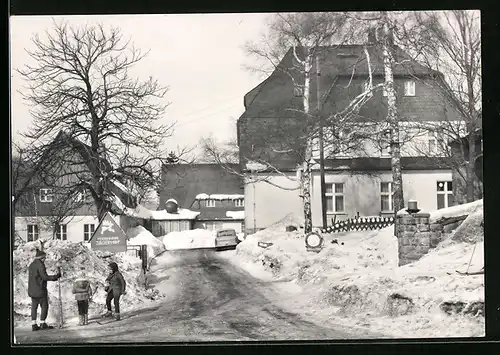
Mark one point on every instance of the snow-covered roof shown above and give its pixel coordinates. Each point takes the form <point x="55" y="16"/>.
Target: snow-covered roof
<point x="142" y="212"/>
<point x="219" y="197"/>
<point x="235" y="214"/>
<point x="182" y="214"/>
<point x="255" y="166"/>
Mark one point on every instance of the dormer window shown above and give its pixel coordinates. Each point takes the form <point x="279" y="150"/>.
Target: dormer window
<point x="409" y="88"/>
<point x="210" y="203"/>
<point x="46" y="195"/>
<point x="80" y="196"/>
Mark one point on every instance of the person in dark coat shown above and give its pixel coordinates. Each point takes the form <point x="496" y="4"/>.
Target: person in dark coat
<point x="116" y="288"/>
<point x="37" y="290"/>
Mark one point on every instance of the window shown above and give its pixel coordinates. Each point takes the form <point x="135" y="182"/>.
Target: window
<point x="213" y="226"/>
<point x="46" y="195"/>
<point x="239" y="202"/>
<point x="32" y="232"/>
<point x="432" y="145"/>
<point x="210" y="203"/>
<point x="80" y="196"/>
<point x="445" y="194"/>
<point x="386" y="197"/>
<point x="335" y="197"/>
<point x="409" y="88"/>
<point x="61" y="232"/>
<point x="88" y="230"/>
<point x="298" y="91"/>
<point x="385" y="143"/>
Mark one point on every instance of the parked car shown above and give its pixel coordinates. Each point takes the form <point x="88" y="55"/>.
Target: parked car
<point x="226" y="239"/>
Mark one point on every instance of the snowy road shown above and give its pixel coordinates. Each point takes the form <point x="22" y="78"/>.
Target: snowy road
<point x="208" y="299"/>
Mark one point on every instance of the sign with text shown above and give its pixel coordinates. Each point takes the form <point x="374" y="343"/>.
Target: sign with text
<point x="109" y="236"/>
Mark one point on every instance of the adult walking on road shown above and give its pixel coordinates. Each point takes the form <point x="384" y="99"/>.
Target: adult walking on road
<point x="37" y="290"/>
<point x="115" y="289"/>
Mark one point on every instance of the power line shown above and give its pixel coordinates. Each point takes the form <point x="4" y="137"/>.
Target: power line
<point x="183" y="123"/>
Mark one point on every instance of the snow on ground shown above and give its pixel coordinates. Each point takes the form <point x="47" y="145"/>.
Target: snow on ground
<point x="140" y="236"/>
<point x="189" y="239"/>
<point x="359" y="282"/>
<point x="75" y="260"/>
<point x="471" y="230"/>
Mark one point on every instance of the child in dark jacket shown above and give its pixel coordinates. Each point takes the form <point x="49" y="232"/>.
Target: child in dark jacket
<point x="115" y="289"/>
<point x="83" y="294"/>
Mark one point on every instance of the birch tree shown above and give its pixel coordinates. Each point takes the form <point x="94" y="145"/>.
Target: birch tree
<point x="392" y="112"/>
<point x="80" y="83"/>
<point x="450" y="42"/>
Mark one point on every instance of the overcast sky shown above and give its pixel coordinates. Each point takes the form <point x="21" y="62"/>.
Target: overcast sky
<point x="199" y="57"/>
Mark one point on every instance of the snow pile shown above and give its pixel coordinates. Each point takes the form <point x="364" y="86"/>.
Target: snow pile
<point x="458" y="210"/>
<point x="357" y="277"/>
<point x="189" y="239"/>
<point x="219" y="197"/>
<point x="471" y="230"/>
<point x="290" y="259"/>
<point x="140" y="236"/>
<point x="74" y="259"/>
<point x="235" y="214"/>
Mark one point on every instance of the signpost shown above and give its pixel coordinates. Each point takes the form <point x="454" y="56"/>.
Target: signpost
<point x="109" y="236"/>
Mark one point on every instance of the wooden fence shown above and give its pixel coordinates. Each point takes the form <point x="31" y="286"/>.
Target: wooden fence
<point x="359" y="224"/>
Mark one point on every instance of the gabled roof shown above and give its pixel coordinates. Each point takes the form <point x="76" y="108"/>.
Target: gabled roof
<point x="184" y="181"/>
<point x="124" y="196"/>
<point x="340" y="60"/>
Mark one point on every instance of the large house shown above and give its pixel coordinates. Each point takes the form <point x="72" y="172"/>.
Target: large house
<point x="42" y="212"/>
<point x="356" y="182"/>
<point x="213" y="191"/>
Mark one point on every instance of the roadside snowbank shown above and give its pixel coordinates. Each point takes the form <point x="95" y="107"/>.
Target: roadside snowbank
<point x="140" y="236"/>
<point x="189" y="239"/>
<point x="357" y="278"/>
<point x="74" y="258"/>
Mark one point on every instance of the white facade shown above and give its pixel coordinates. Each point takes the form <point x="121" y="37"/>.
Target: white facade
<point x="75" y="230"/>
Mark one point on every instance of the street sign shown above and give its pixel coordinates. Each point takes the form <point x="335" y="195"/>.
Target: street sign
<point x="109" y="236"/>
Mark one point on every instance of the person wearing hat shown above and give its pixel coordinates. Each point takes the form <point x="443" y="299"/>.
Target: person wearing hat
<point x="83" y="294"/>
<point x="37" y="290"/>
<point x="115" y="288"/>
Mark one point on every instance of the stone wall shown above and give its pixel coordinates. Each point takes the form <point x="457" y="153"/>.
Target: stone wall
<point x="416" y="236"/>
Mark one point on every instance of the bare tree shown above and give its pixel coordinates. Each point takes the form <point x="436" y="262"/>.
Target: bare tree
<point x="450" y="42"/>
<point x="307" y="34"/>
<point x="80" y="84"/>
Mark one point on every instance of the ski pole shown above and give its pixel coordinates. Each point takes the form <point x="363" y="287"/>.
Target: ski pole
<point x="61" y="320"/>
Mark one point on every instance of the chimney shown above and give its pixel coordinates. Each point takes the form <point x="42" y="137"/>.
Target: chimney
<point x="372" y="38"/>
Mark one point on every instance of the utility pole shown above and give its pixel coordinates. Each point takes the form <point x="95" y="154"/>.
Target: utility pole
<point x="321" y="147"/>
